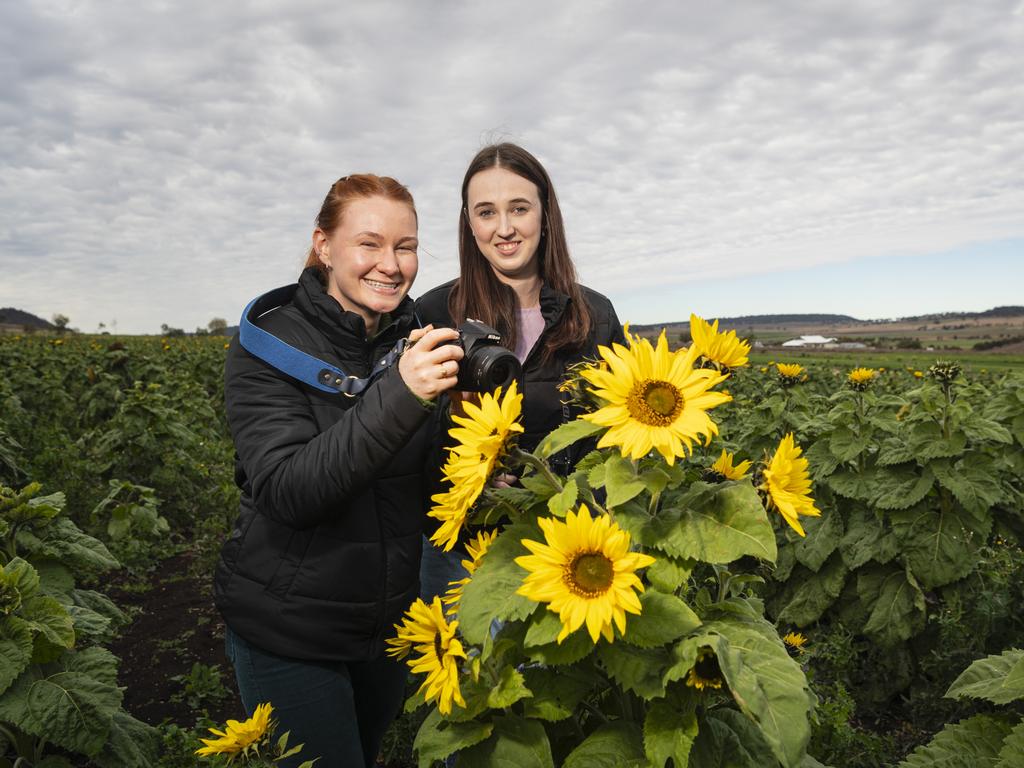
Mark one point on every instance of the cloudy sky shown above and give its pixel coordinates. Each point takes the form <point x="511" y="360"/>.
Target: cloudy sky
<point x="162" y="162"/>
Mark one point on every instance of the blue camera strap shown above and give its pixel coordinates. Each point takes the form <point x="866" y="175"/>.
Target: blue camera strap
<point x="296" y="363"/>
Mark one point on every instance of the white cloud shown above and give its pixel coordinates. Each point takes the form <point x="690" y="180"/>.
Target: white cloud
<point x="163" y="163"/>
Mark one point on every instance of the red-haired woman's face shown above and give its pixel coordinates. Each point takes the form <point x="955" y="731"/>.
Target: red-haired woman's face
<point x="372" y="256"/>
<point x="506" y="218"/>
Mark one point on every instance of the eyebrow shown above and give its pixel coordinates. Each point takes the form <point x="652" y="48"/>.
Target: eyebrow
<point x="513" y="200"/>
<point x="369" y="233"/>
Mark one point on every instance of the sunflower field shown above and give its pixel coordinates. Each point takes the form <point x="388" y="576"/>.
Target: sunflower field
<point x="781" y="564"/>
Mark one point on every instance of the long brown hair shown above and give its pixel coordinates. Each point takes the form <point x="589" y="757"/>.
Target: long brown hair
<point x="480" y="295"/>
<point x="343" y="193"/>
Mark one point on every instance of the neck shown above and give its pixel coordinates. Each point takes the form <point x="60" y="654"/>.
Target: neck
<point x="527" y="289"/>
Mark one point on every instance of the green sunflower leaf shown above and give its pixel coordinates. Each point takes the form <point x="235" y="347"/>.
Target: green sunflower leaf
<point x="15" y="649"/>
<point x="927" y="442"/>
<point x="562" y="502"/>
<point x="971" y="743"/>
<point x="895" y="602"/>
<point x="491" y="593"/>
<point x="845" y="444"/>
<point x="853" y="485"/>
<point x="438" y="738"/>
<point x="621" y="481"/>
<point x="971" y="481"/>
<point x="635" y="669"/>
<point x="514" y="742"/>
<point x="937" y="545"/>
<point x="663" y="618"/>
<point x="769" y="686"/>
<point x="901" y="487"/>
<point x="727" y="739"/>
<point x="720" y="524"/>
<point x="509" y="689"/>
<point x="866" y="538"/>
<point x="998" y="678"/>
<point x="1012" y="753"/>
<point x="823" y="536"/>
<point x="130" y="742"/>
<point x="566" y="435"/>
<point x="670" y="729"/>
<point x="556" y="692"/>
<point x="614" y="745"/>
<point x="815" y="592"/>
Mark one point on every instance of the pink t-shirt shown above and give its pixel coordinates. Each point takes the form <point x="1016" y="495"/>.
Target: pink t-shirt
<point x="530" y="324"/>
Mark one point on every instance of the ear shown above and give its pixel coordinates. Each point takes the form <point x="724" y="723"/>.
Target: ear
<point x="320" y="246"/>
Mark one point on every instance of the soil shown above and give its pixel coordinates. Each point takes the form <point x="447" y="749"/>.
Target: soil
<point x="175" y="625"/>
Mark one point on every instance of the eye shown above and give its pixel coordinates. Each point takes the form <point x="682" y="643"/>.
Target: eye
<point x="519" y="210"/>
<point x="485" y="213"/>
<point x="368" y="244"/>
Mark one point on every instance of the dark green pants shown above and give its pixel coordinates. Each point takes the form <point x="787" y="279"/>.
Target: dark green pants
<point x="338" y="710"/>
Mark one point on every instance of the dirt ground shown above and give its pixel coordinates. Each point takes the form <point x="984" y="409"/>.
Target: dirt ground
<point x="175" y="625"/>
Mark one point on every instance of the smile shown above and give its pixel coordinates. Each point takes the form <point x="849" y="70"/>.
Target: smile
<point x="508" y="248"/>
<point x="380" y="287"/>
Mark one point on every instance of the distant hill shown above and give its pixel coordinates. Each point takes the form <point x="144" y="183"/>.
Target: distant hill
<point x="1011" y="311"/>
<point x="11" y="316"/>
<point x="753" y="321"/>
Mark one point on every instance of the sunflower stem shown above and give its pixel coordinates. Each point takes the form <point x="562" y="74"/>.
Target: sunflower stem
<point x="538" y="464"/>
<point x="593" y="503"/>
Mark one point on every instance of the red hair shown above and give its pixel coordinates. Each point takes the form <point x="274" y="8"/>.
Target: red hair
<point x="343" y="193"/>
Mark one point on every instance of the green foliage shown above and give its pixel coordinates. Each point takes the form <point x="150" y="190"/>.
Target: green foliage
<point x="55" y="690"/>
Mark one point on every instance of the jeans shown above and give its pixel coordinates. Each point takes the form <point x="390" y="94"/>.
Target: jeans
<point x="338" y="709"/>
<point x="438" y="568"/>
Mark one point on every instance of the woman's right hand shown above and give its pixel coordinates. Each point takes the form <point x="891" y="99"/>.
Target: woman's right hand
<point x="430" y="366"/>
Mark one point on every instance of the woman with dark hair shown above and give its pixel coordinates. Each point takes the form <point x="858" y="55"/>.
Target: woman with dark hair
<point x="324" y="556"/>
<point x="516" y="275"/>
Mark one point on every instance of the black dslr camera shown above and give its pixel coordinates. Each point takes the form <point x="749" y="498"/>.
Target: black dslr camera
<point x="487" y="365"/>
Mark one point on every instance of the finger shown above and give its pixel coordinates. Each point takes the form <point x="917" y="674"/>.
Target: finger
<point x="417" y="333"/>
<point x="442" y="354"/>
<point x="436" y="336"/>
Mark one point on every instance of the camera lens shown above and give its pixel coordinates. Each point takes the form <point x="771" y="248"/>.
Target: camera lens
<point x="490" y="367"/>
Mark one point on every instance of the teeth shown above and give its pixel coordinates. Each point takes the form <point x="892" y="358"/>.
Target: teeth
<point x="376" y="284"/>
<point x="507" y="246"/>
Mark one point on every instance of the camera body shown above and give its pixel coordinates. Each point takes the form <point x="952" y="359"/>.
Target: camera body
<point x="486" y="365"/>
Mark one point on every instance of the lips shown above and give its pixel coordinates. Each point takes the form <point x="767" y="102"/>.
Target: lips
<point x="381" y="287"/>
<point x="507" y="249"/>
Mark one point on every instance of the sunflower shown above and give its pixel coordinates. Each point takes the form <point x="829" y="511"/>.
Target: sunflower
<point x="655" y="399"/>
<point x="725" y="469"/>
<point x="725" y="350"/>
<point x="476" y="549"/>
<point x="859" y="378"/>
<point x="584" y="572"/>
<point x="705" y="672"/>
<point x="794" y="642"/>
<point x="788" y="484"/>
<point x="790" y="373"/>
<point x="425" y="630"/>
<point x="481" y="438"/>
<point x="238" y="737"/>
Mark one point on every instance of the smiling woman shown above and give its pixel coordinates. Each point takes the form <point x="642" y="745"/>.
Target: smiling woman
<point x="517" y="275"/>
<point x="324" y="556"/>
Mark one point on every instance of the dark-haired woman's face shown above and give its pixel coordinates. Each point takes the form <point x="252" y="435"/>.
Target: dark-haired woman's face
<point x="506" y="218"/>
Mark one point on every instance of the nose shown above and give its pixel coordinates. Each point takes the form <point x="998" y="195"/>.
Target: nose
<point x="388" y="262"/>
<point x="505" y="227"/>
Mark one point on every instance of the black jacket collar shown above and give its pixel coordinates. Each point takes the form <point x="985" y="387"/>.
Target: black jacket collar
<point x="345" y="330"/>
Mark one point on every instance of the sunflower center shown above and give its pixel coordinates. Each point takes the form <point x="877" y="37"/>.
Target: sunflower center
<point x="655" y="403"/>
<point x="438" y="648"/>
<point x="590" y="574"/>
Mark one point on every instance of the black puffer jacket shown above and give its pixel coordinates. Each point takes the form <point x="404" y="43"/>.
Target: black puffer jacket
<point x="542" y="402"/>
<point x="324" y="557"/>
